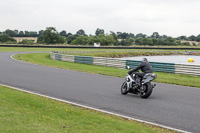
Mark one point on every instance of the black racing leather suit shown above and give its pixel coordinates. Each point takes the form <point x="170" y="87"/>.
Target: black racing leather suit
<point x="145" y="67"/>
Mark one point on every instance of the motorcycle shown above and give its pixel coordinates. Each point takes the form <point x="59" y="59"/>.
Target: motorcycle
<point x="143" y="89"/>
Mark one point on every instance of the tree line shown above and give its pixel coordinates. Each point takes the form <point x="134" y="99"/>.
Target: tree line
<point x="52" y="36"/>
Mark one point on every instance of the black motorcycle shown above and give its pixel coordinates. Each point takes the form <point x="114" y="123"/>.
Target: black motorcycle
<point x="143" y="89"/>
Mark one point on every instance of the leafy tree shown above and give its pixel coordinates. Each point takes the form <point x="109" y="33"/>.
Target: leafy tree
<point x="192" y="38"/>
<point x="158" y="42"/>
<point x="106" y="40"/>
<point x="169" y="41"/>
<point x="121" y="43"/>
<point x="81" y="33"/>
<point x="163" y="37"/>
<point x="16" y="31"/>
<point x="33" y="34"/>
<point x="11" y="33"/>
<point x="198" y="38"/>
<point x="40" y="39"/>
<point x="139" y="41"/>
<point x="147" y="41"/>
<point x="4" y="38"/>
<point x="82" y="40"/>
<point x="63" y="33"/>
<point x="131" y="35"/>
<point x="70" y="38"/>
<point x="99" y="31"/>
<point x="123" y="35"/>
<point x="51" y="36"/>
<point x="113" y="34"/>
<point x="119" y="35"/>
<point x="41" y="32"/>
<point x="93" y="39"/>
<point x="26" y="33"/>
<point x="21" y="34"/>
<point x="155" y="35"/>
<point x="182" y="38"/>
<point x="155" y="41"/>
<point x="141" y="35"/>
<point x="129" y="41"/>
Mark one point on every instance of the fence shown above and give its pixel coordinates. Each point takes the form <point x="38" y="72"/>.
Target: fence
<point x="112" y="62"/>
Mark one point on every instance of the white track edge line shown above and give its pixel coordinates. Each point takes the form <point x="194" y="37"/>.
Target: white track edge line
<point x="96" y="109"/>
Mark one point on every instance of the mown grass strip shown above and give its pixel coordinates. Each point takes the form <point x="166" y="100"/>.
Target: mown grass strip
<point x="31" y="49"/>
<point x="128" y="53"/>
<point x="21" y="112"/>
<point x="44" y="59"/>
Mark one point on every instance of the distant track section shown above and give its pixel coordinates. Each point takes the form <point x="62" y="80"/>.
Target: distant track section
<point x="100" y="47"/>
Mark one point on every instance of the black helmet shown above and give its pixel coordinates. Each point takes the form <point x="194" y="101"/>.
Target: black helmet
<point x="144" y="60"/>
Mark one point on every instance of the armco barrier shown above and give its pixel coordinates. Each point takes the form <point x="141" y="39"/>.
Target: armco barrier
<point x="187" y="69"/>
<point x="157" y="66"/>
<point x="163" y="67"/>
<point x="58" y="56"/>
<point x="69" y="58"/>
<point x="111" y="62"/>
<point x="83" y="59"/>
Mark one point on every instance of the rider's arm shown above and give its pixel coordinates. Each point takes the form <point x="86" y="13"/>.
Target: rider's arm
<point x="135" y="69"/>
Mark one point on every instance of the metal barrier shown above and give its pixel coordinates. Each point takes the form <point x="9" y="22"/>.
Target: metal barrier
<point x="187" y="69"/>
<point x="83" y="59"/>
<point x="111" y="62"/>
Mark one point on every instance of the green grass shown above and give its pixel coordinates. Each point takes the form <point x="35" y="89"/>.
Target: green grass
<point x="27" y="113"/>
<point x="127" y="54"/>
<point x="28" y="49"/>
<point x="24" y="49"/>
<point x="44" y="59"/>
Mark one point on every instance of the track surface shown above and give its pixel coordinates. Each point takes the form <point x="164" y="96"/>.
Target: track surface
<point x="169" y="105"/>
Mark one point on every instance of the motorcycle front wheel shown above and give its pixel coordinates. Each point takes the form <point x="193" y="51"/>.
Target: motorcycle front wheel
<point x="147" y="90"/>
<point x="124" y="88"/>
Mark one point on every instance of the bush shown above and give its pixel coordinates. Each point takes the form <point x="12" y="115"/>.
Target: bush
<point x="185" y="43"/>
<point x="82" y="40"/>
<point x="26" y="41"/>
<point x="4" y="38"/>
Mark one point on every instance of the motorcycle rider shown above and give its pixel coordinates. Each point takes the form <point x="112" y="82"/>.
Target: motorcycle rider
<point x="144" y="66"/>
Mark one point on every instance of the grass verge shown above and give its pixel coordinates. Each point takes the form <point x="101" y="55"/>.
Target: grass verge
<point x="22" y="112"/>
<point x="128" y="54"/>
<point x="44" y="59"/>
<point x="31" y="49"/>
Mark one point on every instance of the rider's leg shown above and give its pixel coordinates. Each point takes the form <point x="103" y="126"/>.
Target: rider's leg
<point x="139" y="74"/>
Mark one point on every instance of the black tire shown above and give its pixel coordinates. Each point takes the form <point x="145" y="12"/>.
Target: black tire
<point x="148" y="88"/>
<point x="124" y="89"/>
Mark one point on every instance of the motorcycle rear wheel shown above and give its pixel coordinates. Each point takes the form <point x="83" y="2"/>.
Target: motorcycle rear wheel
<point x="147" y="90"/>
<point x="124" y="89"/>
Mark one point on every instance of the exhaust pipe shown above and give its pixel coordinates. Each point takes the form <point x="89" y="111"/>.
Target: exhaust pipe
<point x="153" y="85"/>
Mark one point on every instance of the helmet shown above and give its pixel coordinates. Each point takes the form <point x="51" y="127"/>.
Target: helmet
<point x="144" y="60"/>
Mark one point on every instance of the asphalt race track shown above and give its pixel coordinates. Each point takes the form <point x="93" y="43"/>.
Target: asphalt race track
<point x="169" y="105"/>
